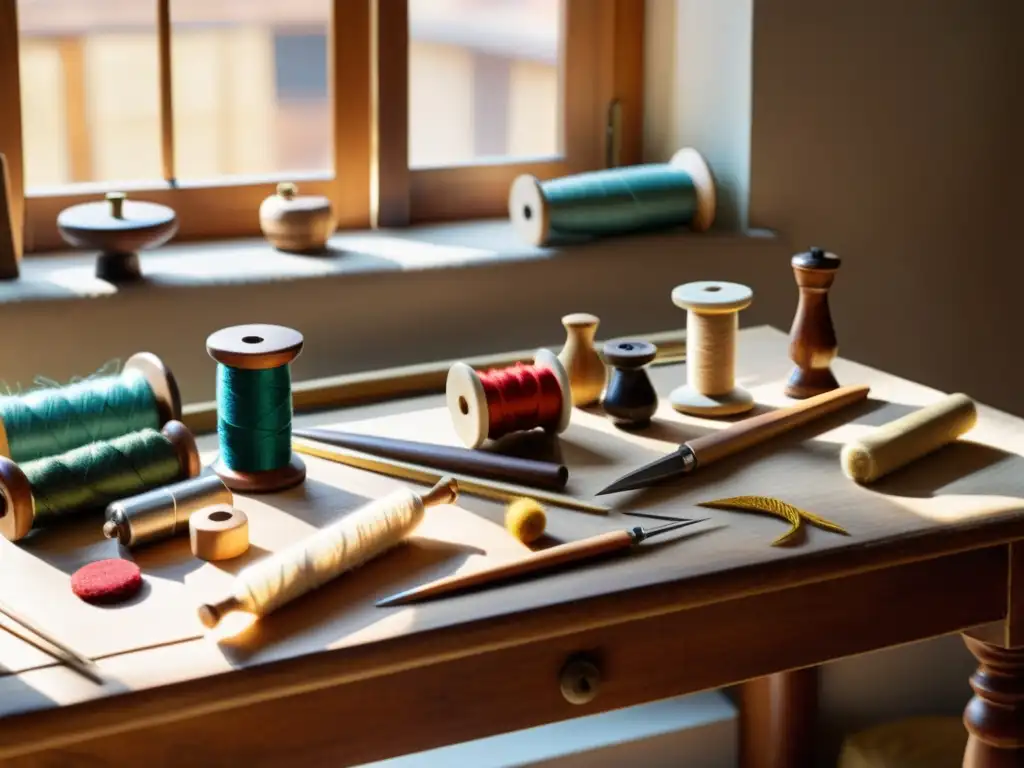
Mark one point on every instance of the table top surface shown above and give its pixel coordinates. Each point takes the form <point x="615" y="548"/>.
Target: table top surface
<point x="967" y="494"/>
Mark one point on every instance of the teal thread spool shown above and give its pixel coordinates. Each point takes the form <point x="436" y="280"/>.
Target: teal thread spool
<point x="52" y="421"/>
<point x="254" y="407"/>
<point x="91" y="476"/>
<point x="615" y="201"/>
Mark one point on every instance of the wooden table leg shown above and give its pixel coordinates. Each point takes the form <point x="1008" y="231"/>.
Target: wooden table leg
<point x="995" y="715"/>
<point x="778" y="720"/>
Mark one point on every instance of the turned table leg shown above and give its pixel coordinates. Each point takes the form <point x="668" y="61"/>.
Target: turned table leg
<point x="995" y="715"/>
<point x="778" y="719"/>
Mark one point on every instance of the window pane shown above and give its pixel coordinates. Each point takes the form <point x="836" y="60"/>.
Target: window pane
<point x="90" y="107"/>
<point x="250" y="88"/>
<point x="484" y="80"/>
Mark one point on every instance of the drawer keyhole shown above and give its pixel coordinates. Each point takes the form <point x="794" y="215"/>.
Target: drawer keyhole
<point x="580" y="680"/>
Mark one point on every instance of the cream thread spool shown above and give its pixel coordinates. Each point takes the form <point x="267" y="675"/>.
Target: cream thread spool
<point x="712" y="322"/>
<point x="908" y="438"/>
<point x="355" y="539"/>
<point x="219" y="533"/>
<point x="163" y="513"/>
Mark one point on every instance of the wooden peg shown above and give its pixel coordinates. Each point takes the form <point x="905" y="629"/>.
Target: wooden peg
<point x="812" y="340"/>
<point x="630" y="398"/>
<point x="586" y="369"/>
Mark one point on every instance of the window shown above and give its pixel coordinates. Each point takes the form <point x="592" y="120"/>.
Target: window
<point x="400" y="111"/>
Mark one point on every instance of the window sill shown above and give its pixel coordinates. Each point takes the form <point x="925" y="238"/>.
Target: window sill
<point x="379" y="299"/>
<point x="70" y="275"/>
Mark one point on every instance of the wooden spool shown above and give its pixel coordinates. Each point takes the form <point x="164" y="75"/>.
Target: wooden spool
<point x="586" y="369"/>
<point x="118" y="228"/>
<point x="812" y="339"/>
<point x="17" y="508"/>
<point x="467" y="401"/>
<point x="296" y="223"/>
<point x="257" y="348"/>
<point x="712" y="322"/>
<point x="161" y="382"/>
<point x="218" y="533"/>
<point x="630" y="398"/>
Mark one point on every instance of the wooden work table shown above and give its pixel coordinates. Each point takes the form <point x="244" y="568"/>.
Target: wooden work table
<point x="333" y="680"/>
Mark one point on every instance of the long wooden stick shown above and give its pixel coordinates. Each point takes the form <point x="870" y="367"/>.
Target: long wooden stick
<point x="68" y="656"/>
<point x="415" y="473"/>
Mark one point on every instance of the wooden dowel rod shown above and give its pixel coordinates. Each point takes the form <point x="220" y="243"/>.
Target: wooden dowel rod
<point x="471" y="485"/>
<point x="483" y="464"/>
<point x="163" y="36"/>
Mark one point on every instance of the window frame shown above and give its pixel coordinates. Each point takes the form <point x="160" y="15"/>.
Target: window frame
<point x="370" y="183"/>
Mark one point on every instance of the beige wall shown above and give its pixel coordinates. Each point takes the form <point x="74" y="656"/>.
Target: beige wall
<point x="888" y="132"/>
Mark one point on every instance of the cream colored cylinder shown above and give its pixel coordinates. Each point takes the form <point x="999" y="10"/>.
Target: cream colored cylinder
<point x="711" y="346"/>
<point x="908" y="438"/>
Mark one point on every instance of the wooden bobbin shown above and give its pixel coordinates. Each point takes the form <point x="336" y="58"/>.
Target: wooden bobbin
<point x="161" y="382"/>
<point x="17" y="508"/>
<point x="712" y="321"/>
<point x="467" y="401"/>
<point x="586" y="369"/>
<point x="812" y="339"/>
<point x="257" y="347"/>
<point x="218" y="533"/>
<point x="530" y="212"/>
<point x="631" y="399"/>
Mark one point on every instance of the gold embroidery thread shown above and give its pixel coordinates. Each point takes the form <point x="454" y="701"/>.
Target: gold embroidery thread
<point x="793" y="515"/>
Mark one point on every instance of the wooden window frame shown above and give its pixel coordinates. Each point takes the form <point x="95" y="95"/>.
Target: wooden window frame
<point x="371" y="183"/>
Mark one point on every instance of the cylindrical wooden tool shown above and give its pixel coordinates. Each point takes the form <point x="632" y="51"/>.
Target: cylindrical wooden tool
<point x="536" y="474"/>
<point x="586" y="369"/>
<point x="813" y="344"/>
<point x="898" y="443"/>
<point x="712" y="323"/>
<point x="345" y="544"/>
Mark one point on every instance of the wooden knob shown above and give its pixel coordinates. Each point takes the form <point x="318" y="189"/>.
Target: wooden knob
<point x="812" y="339"/>
<point x="586" y="369"/>
<point x="580" y="680"/>
<point x="630" y="398"/>
<point x="116" y="200"/>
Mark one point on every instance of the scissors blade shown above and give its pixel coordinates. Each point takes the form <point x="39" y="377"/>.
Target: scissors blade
<point x="677" y="463"/>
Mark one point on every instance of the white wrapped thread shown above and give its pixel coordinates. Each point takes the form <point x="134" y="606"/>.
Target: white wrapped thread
<point x="345" y="544"/>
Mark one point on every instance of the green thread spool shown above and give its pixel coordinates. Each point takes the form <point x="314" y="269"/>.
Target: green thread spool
<point x="254" y="407"/>
<point x="45" y="491"/>
<point x="54" y="420"/>
<point x="615" y="201"/>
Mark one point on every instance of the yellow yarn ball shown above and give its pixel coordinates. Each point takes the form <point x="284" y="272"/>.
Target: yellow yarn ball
<point x="525" y="519"/>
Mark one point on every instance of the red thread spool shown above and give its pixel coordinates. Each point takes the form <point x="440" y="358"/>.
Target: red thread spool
<point x="498" y="402"/>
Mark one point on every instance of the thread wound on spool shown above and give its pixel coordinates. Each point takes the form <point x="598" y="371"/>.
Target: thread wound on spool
<point x="254" y="418"/>
<point x="50" y="421"/>
<point x="94" y="475"/>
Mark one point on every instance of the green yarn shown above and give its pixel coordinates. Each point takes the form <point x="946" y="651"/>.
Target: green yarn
<point x="620" y="200"/>
<point x="51" y="421"/>
<point x="92" y="476"/>
<point x="254" y="418"/>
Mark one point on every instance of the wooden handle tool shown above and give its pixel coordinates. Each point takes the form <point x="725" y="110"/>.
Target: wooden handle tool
<point x="705" y="450"/>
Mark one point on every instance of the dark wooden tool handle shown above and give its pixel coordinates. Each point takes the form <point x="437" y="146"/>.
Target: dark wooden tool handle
<point x="495" y="466"/>
<point x="545" y="560"/>
<point x="757" y="429"/>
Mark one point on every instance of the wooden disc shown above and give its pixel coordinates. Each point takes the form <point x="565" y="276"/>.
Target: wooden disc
<point x="218" y="533"/>
<point x="185" y="448"/>
<point x="690" y="160"/>
<point x="686" y="399"/>
<point x="545" y="358"/>
<point x="254" y="347"/>
<point x="629" y="353"/>
<point x="291" y="474"/>
<point x="467" y="404"/>
<point x="17" y="509"/>
<point x="712" y="297"/>
<point x="528" y="210"/>
<point x="161" y="381"/>
<point x="580" y="320"/>
<point x="141" y="225"/>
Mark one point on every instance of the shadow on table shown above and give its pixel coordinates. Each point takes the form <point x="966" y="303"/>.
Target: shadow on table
<point x="960" y="468"/>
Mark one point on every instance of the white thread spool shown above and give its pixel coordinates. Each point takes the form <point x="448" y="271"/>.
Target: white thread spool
<point x="467" y="401"/>
<point x="345" y="544"/>
<point x="712" y="322"/>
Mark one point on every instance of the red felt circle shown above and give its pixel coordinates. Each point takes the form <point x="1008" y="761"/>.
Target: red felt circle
<point x="107" y="581"/>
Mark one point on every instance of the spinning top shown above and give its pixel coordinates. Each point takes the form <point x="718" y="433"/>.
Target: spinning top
<point x="118" y="228"/>
<point x="812" y="340"/>
<point x="630" y="398"/>
<point x="585" y="367"/>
